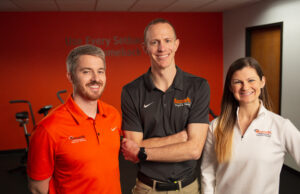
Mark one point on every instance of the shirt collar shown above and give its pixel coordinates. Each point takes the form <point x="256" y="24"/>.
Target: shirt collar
<point x="262" y="110"/>
<point x="78" y="114"/>
<point x="177" y="82"/>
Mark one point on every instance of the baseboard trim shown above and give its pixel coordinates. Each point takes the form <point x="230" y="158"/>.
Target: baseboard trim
<point x="291" y="170"/>
<point x="12" y="151"/>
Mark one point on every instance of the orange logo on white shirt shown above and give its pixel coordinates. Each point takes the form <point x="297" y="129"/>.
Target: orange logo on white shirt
<point x="266" y="133"/>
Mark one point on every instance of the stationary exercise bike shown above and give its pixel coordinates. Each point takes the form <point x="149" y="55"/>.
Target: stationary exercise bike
<point x="23" y="119"/>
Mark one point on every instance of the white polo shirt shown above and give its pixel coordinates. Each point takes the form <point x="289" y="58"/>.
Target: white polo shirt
<point x="257" y="157"/>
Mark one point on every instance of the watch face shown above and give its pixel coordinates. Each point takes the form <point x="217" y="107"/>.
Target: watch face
<point x="142" y="154"/>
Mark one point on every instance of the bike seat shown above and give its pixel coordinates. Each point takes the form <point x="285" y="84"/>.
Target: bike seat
<point x="44" y="110"/>
<point x="22" y="115"/>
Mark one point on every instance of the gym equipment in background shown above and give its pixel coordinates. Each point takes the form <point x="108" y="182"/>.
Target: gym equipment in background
<point x="45" y="110"/>
<point x="23" y="119"/>
<point x="58" y="95"/>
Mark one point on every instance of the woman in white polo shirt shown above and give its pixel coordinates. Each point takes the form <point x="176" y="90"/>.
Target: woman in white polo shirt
<point x="246" y="144"/>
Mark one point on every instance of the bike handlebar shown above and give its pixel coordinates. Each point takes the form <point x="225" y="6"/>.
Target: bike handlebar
<point x="58" y="95"/>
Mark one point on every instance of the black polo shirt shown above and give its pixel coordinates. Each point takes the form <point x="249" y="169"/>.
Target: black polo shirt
<point x="155" y="113"/>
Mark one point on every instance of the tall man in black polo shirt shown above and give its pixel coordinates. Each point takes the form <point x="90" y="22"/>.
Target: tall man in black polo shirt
<point x="165" y="117"/>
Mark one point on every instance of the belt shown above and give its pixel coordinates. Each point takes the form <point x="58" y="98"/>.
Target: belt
<point x="165" y="186"/>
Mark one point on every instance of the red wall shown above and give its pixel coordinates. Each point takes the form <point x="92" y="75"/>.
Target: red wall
<point x="34" y="46"/>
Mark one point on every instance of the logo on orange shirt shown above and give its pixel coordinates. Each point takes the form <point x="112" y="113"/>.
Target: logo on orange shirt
<point x="112" y="129"/>
<point x="77" y="139"/>
<point x="266" y="133"/>
<point x="183" y="102"/>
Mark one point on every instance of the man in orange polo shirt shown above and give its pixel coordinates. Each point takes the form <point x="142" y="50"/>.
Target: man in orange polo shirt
<point x="75" y="148"/>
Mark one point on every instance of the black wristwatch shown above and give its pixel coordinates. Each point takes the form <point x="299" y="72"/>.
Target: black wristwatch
<point x="142" y="156"/>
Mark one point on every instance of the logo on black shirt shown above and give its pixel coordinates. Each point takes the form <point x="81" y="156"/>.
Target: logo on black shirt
<point x="146" y="105"/>
<point x="183" y="102"/>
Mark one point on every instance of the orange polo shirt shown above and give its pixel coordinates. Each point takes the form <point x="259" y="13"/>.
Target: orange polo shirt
<point x="80" y="153"/>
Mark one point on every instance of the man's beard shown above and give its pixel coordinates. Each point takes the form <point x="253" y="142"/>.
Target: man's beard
<point x="85" y="93"/>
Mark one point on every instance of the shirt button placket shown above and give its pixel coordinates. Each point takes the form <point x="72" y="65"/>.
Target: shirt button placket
<point x="165" y="116"/>
<point x="97" y="131"/>
<point x="164" y="102"/>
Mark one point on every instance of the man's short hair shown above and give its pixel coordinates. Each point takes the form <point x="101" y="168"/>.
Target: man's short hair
<point x="72" y="59"/>
<point x="157" y="21"/>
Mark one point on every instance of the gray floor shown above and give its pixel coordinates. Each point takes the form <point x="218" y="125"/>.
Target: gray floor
<point x="16" y="183"/>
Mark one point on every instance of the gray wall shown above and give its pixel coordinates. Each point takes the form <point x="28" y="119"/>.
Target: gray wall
<point x="261" y="13"/>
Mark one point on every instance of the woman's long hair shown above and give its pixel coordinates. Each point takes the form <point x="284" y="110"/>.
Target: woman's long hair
<point x="226" y="121"/>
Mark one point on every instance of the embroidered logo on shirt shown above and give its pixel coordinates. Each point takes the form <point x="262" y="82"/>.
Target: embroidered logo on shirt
<point x="266" y="133"/>
<point x="112" y="129"/>
<point x="146" y="105"/>
<point x="183" y="102"/>
<point x="77" y="139"/>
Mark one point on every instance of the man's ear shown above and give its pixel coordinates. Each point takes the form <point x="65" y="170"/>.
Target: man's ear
<point x="69" y="76"/>
<point x="144" y="46"/>
<point x="177" y="44"/>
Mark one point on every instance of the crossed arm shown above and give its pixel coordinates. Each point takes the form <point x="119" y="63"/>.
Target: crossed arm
<point x="182" y="146"/>
<point x="38" y="187"/>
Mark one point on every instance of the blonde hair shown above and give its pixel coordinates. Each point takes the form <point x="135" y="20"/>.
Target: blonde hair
<point x="226" y="121"/>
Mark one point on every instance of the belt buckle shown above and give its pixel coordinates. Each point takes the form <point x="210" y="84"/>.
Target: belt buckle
<point x="161" y="186"/>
